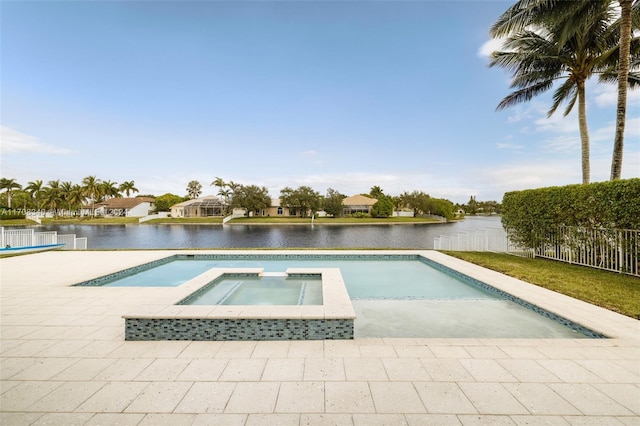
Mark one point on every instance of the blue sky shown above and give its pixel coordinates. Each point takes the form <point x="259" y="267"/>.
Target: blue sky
<point x="342" y="95"/>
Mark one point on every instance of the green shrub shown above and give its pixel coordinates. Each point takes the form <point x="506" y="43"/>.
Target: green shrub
<point x="532" y="216"/>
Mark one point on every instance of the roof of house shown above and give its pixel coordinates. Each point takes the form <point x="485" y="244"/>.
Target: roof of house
<point x="125" y="203"/>
<point x="207" y="201"/>
<point x="358" y="200"/>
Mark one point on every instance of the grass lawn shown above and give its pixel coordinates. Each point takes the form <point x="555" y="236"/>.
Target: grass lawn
<point x="617" y="292"/>
<point x="330" y="220"/>
<point x="87" y="220"/>
<point x="185" y="220"/>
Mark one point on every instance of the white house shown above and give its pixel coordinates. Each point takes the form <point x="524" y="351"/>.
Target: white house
<point x="129" y="207"/>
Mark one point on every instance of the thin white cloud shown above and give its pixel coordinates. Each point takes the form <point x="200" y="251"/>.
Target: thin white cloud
<point x="607" y="95"/>
<point x="557" y="123"/>
<point x="13" y="141"/>
<point x="502" y="145"/>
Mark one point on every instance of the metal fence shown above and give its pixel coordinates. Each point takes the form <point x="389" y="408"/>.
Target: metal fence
<point x="615" y="250"/>
<point x="29" y="237"/>
<point x="611" y="249"/>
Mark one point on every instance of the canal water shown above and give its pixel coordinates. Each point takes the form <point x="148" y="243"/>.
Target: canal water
<point x="398" y="236"/>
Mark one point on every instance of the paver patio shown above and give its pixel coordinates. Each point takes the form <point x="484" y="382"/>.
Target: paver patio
<point x="64" y="361"/>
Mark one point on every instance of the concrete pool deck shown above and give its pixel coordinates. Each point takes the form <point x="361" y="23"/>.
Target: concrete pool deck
<point x="64" y="360"/>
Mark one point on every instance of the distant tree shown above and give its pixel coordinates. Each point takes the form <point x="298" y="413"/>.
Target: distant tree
<point x="441" y="207"/>
<point x="194" y="189"/>
<point x="91" y="188"/>
<point x="332" y="202"/>
<point x="376" y="192"/>
<point x="472" y="206"/>
<point x="109" y="189"/>
<point x="34" y="188"/>
<point x="128" y="187"/>
<point x="417" y="201"/>
<point x="52" y="196"/>
<point x="251" y="197"/>
<point x="9" y="185"/>
<point x="383" y="207"/>
<point x="218" y="183"/>
<point x="164" y="202"/>
<point x="303" y="199"/>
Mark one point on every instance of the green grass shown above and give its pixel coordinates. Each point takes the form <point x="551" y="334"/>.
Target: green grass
<point x="17" y="222"/>
<point x="87" y="220"/>
<point x="185" y="220"/>
<point x="617" y="292"/>
<point x="330" y="220"/>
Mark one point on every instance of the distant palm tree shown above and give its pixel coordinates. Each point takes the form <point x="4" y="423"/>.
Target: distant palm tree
<point x="128" y="187"/>
<point x="376" y="192"/>
<point x="218" y="183"/>
<point x="91" y="188"/>
<point x="194" y="189"/>
<point x="110" y="189"/>
<point x="572" y="45"/>
<point x="75" y="197"/>
<point x="34" y="188"/>
<point x="52" y="196"/>
<point x="9" y="185"/>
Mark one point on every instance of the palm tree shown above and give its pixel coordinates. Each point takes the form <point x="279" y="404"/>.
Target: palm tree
<point x="9" y="185"/>
<point x="128" y="187"/>
<point x="75" y="197"/>
<point x="218" y="183"/>
<point x="194" y="189"/>
<point x="570" y="46"/>
<point x="110" y="189"/>
<point x="65" y="191"/>
<point x="91" y="187"/>
<point x="623" y="74"/>
<point x="34" y="188"/>
<point x="52" y="196"/>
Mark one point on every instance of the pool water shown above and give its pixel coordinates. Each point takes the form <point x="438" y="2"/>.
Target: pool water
<point x="269" y="290"/>
<point x="398" y="296"/>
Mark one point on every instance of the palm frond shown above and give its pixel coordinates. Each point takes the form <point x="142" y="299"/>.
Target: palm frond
<point x="567" y="90"/>
<point x="525" y="94"/>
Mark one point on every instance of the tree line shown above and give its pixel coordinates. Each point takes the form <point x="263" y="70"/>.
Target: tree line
<point x="62" y="195"/>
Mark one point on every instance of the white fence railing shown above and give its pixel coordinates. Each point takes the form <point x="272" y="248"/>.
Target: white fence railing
<point x="615" y="250"/>
<point x="161" y="215"/>
<point x="611" y="249"/>
<point x="29" y="237"/>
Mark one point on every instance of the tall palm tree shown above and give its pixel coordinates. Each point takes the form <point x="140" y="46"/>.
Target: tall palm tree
<point x="91" y="187"/>
<point x="128" y="187"/>
<point x="570" y="46"/>
<point x="626" y="34"/>
<point x="9" y="185"/>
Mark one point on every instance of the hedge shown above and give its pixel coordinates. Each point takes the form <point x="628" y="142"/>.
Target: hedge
<point x="530" y="215"/>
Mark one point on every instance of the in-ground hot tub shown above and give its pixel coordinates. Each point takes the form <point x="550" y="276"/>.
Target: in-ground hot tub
<point x="328" y="314"/>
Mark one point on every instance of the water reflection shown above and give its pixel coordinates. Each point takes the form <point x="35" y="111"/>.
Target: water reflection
<point x="418" y="236"/>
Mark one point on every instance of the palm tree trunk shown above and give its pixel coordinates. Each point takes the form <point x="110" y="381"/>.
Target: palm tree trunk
<point x="623" y="75"/>
<point x="584" y="133"/>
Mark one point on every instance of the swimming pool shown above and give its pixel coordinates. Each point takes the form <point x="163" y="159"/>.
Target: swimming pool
<point x="392" y="295"/>
<point x="234" y="289"/>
